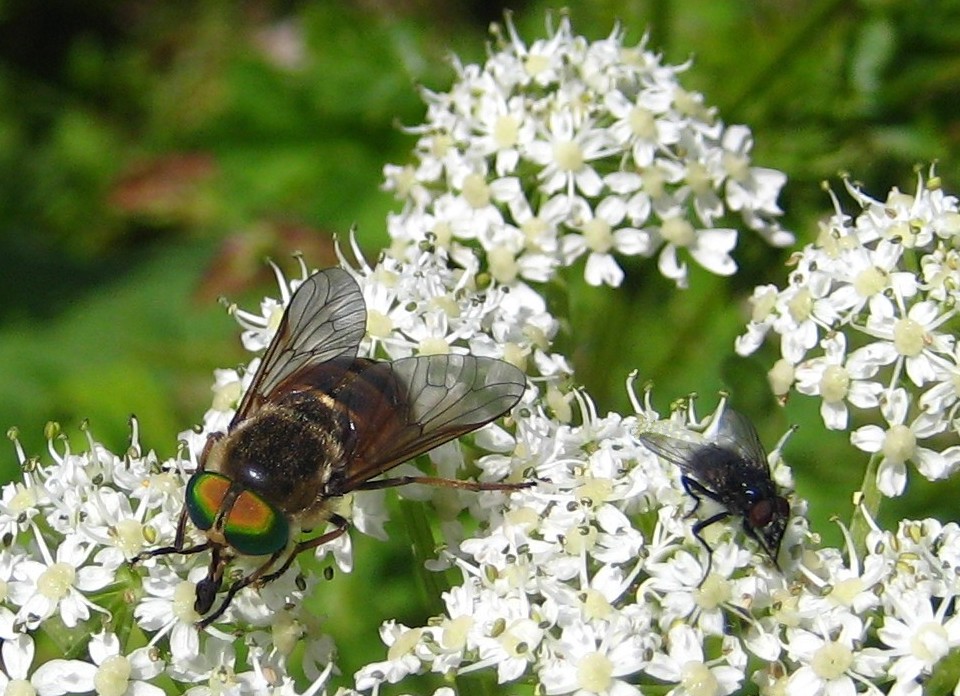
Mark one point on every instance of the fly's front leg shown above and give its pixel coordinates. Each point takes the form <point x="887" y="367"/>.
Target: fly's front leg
<point x="181" y="536"/>
<point x="698" y="528"/>
<point x="178" y="544"/>
<point x="259" y="577"/>
<point x="207" y="589"/>
<point x="696" y="490"/>
<point x="341" y="526"/>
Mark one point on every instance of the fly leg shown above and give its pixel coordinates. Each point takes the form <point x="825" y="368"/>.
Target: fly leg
<point x="207" y="588"/>
<point x="694" y="487"/>
<point x="260" y="577"/>
<point x="442" y="483"/>
<point x="177" y="546"/>
<point x="180" y="538"/>
<point x="341" y="526"/>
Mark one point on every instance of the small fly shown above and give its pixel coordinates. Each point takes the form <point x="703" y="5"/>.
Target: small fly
<point x="730" y="468"/>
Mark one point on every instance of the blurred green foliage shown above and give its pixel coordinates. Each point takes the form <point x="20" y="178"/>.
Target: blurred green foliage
<point x="153" y="153"/>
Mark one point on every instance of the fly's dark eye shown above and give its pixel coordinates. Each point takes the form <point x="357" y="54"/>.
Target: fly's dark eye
<point x="761" y="513"/>
<point x="765" y="511"/>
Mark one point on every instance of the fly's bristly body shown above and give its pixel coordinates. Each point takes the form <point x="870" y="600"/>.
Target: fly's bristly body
<point x="730" y="468"/>
<point x="318" y="422"/>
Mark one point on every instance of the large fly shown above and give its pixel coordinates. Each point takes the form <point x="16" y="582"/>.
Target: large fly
<point x="318" y="422"/>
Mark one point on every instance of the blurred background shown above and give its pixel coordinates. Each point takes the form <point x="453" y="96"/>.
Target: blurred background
<point x="153" y="154"/>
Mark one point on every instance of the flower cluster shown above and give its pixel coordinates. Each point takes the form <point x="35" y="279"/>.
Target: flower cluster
<point x="867" y="320"/>
<point x="70" y="528"/>
<point x="593" y="584"/>
<point x="590" y="583"/>
<point x="75" y="523"/>
<point x="567" y="148"/>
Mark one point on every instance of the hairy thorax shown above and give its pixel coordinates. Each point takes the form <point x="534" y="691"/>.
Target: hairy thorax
<point x="287" y="453"/>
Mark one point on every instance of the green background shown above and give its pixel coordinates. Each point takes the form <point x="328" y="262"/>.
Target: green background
<point x="152" y="154"/>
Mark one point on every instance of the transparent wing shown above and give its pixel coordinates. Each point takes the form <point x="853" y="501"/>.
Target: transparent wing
<point x="677" y="450"/>
<point x="324" y="323"/>
<point x="736" y="432"/>
<point x="401" y="409"/>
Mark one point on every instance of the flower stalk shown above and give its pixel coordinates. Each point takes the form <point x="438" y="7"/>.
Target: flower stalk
<point x="867" y="503"/>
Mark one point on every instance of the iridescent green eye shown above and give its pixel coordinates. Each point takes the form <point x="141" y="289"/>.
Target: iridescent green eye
<point x="204" y="496"/>
<point x="252" y="526"/>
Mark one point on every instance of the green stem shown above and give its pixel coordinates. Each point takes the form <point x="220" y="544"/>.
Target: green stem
<point x="870" y="498"/>
<point x="945" y="675"/>
<point x="424" y="548"/>
<point x="556" y="293"/>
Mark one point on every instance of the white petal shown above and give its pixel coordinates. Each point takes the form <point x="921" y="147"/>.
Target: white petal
<point x="924" y="313"/>
<point x="603" y="269"/>
<point x="717" y="241"/>
<point x="611" y="210"/>
<point x="509" y="670"/>
<point x="102" y="646"/>
<point x="875" y="354"/>
<point x="685" y="644"/>
<point x="894" y="406"/>
<point x="864" y="394"/>
<point x="639" y="208"/>
<point x="73" y="609"/>
<point x="152" y="614"/>
<point x="143" y="664"/>
<point x="932" y="465"/>
<point x="623" y="182"/>
<point x="670" y="267"/>
<point x="90" y="578"/>
<point x="139" y="688"/>
<point x="665" y="668"/>
<point x="834" y="415"/>
<point x="928" y="425"/>
<point x="764" y="645"/>
<point x="749" y="342"/>
<point x="63" y="677"/>
<point x="920" y="370"/>
<point x="631" y="241"/>
<point x="868" y="438"/>
<point x="722" y="265"/>
<point x="891" y="478"/>
<point x="588" y="181"/>
<point x="622" y="688"/>
<point x="17" y="656"/>
<point x="184" y="642"/>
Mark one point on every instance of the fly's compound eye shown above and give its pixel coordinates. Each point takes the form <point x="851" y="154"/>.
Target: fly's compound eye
<point x="761" y="513"/>
<point x="765" y="511"/>
<point x="204" y="496"/>
<point x="252" y="526"/>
